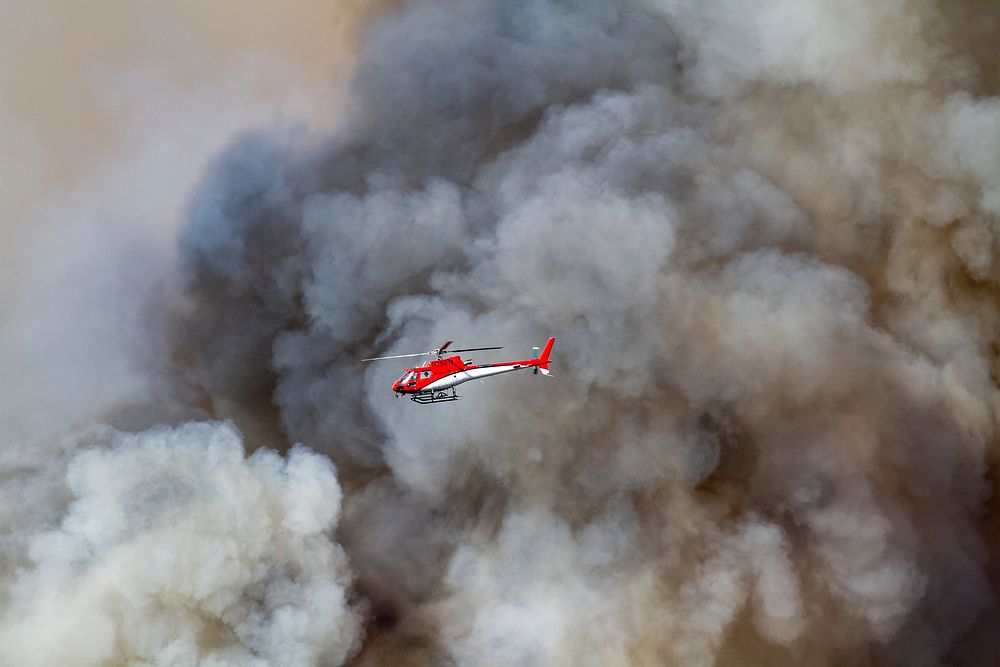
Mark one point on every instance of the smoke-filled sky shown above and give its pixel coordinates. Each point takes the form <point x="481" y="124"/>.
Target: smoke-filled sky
<point x="761" y="232"/>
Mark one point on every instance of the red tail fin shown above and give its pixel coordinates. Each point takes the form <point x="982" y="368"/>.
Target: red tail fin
<point x="544" y="356"/>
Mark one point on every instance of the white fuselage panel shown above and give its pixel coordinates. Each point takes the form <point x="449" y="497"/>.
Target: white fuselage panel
<point x="471" y="374"/>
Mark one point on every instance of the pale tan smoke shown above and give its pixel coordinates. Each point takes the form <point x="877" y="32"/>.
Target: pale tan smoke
<point x="763" y="234"/>
<point x="61" y="60"/>
<point x="109" y="112"/>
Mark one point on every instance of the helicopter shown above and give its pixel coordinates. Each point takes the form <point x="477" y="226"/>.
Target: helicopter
<point x="435" y="381"/>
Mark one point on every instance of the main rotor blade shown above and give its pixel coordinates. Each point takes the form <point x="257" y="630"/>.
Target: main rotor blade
<point x="401" y="356"/>
<point x="438" y="352"/>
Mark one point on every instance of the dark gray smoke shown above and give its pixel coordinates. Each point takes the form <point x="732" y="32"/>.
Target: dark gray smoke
<point x="763" y="235"/>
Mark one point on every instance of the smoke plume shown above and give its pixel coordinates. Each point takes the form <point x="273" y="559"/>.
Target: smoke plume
<point x="763" y="235"/>
<point x="173" y="535"/>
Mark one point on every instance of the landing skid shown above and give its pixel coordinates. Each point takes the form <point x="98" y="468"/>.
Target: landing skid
<point x="436" y="397"/>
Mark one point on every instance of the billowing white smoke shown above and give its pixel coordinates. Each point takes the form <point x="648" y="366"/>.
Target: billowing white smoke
<point x="763" y="234"/>
<point x="177" y="548"/>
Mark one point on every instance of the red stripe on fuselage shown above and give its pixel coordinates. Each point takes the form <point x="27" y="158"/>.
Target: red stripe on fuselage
<point x="442" y="368"/>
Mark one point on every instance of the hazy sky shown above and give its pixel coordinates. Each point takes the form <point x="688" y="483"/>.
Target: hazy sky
<point x="74" y="77"/>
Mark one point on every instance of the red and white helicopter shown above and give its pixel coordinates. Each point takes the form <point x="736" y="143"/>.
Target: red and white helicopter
<point x="431" y="382"/>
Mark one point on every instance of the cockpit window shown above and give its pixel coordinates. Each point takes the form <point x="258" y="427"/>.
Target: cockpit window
<point x="426" y="374"/>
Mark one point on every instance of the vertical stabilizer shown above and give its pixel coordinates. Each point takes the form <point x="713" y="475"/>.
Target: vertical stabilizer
<point x="543" y="359"/>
